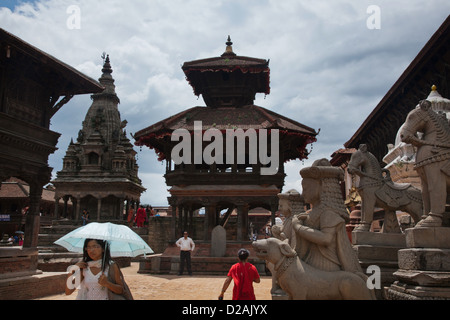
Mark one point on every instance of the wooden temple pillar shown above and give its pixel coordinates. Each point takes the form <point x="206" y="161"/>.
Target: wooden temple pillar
<point x="32" y="223"/>
<point x="99" y="208"/>
<point x="180" y="220"/>
<point x="242" y="221"/>
<point x="56" y="213"/>
<point x="66" y="207"/>
<point x="273" y="209"/>
<point x="121" y="207"/>
<point x="127" y="209"/>
<point x="173" y="222"/>
<point x="185" y="218"/>
<point x="210" y="220"/>
<point x="77" y="208"/>
<point x="188" y="219"/>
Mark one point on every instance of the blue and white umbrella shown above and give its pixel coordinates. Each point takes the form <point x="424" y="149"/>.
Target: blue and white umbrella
<point x="123" y="242"/>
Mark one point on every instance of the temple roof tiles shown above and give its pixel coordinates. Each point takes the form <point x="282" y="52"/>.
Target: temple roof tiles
<point x="78" y="83"/>
<point x="247" y="117"/>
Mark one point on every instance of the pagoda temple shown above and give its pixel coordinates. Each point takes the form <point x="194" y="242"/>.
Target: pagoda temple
<point x="99" y="171"/>
<point x="236" y="182"/>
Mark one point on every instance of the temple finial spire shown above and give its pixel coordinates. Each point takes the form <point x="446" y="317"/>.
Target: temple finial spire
<point x="229" y="48"/>
<point x="107" y="66"/>
<point x="106" y="79"/>
<point x="229" y="43"/>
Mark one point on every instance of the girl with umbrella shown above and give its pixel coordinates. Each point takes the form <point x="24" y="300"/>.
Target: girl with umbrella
<point x="101" y="278"/>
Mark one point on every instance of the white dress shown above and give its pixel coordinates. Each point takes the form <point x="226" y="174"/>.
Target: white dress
<point x="89" y="287"/>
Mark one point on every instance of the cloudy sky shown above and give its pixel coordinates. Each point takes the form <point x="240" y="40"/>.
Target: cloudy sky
<point x="331" y="61"/>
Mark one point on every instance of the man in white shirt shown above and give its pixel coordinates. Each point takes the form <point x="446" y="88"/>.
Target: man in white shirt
<point x="186" y="245"/>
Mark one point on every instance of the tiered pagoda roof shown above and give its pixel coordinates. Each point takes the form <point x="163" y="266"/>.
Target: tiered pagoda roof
<point x="228" y="85"/>
<point x="223" y="118"/>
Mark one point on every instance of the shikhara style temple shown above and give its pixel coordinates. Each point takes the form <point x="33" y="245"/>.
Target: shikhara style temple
<point x="228" y="85"/>
<point x="99" y="171"/>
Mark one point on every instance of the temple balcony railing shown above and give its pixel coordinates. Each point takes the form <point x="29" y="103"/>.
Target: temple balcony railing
<point x="217" y="177"/>
<point x="22" y="142"/>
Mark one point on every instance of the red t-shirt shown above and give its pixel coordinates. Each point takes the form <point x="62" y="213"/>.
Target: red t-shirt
<point x="243" y="276"/>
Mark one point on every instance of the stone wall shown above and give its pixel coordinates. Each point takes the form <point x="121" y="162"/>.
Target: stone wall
<point x="17" y="261"/>
<point x="38" y="286"/>
<point x="159" y="233"/>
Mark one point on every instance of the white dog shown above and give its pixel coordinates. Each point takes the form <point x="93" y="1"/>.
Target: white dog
<point x="304" y="282"/>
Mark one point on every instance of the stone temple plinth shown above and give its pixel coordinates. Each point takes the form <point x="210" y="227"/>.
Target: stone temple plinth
<point x="424" y="266"/>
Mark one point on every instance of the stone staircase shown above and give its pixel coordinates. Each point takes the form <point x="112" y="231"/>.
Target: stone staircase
<point x="49" y="234"/>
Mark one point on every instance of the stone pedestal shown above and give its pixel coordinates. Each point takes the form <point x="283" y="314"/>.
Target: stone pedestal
<point x="424" y="266"/>
<point x="218" y="242"/>
<point x="379" y="249"/>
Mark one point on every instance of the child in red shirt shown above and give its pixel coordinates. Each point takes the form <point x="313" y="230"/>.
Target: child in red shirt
<point x="243" y="274"/>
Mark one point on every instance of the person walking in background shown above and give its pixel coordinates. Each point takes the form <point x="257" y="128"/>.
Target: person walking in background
<point x="186" y="245"/>
<point x="141" y="216"/>
<point x="244" y="274"/>
<point x="85" y="217"/>
<point x="130" y="217"/>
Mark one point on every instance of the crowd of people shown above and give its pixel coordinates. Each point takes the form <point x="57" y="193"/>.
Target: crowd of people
<point x="140" y="217"/>
<point x="17" y="239"/>
<point x="135" y="218"/>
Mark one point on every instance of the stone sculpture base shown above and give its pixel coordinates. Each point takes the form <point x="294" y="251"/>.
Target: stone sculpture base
<point x="379" y="249"/>
<point x="424" y="267"/>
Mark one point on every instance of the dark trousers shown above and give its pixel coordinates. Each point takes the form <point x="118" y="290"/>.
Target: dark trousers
<point x="185" y="257"/>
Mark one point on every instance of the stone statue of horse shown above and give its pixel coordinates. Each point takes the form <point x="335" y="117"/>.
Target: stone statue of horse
<point x="378" y="190"/>
<point x="432" y="159"/>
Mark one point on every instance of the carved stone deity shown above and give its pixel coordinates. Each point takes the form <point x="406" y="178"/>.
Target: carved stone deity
<point x="323" y="264"/>
<point x="290" y="204"/>
<point x="322" y="240"/>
